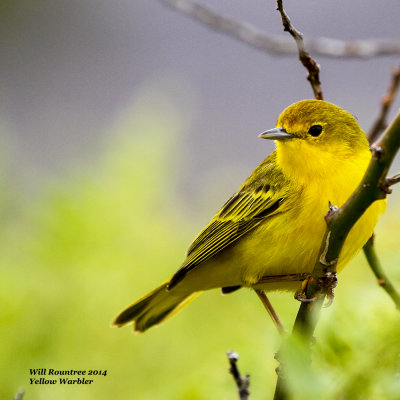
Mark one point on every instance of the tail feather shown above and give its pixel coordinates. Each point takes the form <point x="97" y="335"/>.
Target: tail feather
<point x="154" y="308"/>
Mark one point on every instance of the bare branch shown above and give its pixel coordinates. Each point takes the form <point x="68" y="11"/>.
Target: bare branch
<point x="308" y="62"/>
<point x="280" y="45"/>
<point x="242" y="383"/>
<point x="387" y="101"/>
<point x="392" y="180"/>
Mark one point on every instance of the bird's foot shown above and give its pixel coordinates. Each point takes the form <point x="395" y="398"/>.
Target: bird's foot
<point x="325" y="284"/>
<point x="301" y="294"/>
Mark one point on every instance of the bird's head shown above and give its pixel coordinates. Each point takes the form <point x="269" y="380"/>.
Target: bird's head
<point x="316" y="136"/>
<point x="320" y="124"/>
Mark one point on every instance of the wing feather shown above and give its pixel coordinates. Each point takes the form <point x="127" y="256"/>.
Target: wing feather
<point x="260" y="197"/>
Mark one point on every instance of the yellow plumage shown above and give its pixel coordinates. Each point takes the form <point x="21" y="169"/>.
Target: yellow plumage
<point x="271" y="229"/>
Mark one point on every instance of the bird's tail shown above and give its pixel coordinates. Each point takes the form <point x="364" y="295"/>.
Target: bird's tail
<point x="154" y="308"/>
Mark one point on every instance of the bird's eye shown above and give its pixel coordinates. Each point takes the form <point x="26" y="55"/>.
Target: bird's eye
<point x="315" y="130"/>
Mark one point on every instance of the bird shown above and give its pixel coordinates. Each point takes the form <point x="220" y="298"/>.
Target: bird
<point x="267" y="235"/>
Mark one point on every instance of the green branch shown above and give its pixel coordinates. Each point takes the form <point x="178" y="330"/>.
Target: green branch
<point x="381" y="277"/>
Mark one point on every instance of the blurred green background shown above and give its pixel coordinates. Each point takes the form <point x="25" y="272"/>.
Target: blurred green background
<point x="107" y="180"/>
<point x="108" y="232"/>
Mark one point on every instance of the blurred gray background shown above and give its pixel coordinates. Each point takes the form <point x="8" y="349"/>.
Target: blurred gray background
<point x="68" y="68"/>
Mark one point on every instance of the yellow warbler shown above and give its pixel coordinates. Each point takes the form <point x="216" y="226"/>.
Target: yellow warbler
<point x="269" y="232"/>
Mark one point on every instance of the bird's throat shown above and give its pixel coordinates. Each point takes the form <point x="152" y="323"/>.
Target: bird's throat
<point x="304" y="162"/>
<point x="326" y="170"/>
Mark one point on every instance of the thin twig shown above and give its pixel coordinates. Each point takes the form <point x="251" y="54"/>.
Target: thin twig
<point x="386" y="102"/>
<point x="271" y="311"/>
<point x="280" y="45"/>
<point x="381" y="277"/>
<point x="308" y="62"/>
<point x="392" y="180"/>
<point x="242" y="383"/>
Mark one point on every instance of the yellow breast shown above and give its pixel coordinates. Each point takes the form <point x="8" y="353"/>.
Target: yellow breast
<point x="330" y="177"/>
<point x="292" y="242"/>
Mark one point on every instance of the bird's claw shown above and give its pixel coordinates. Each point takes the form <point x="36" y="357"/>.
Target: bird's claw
<point x="301" y="294"/>
<point x="327" y="284"/>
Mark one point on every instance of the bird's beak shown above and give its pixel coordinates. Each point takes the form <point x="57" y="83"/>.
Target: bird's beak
<point x="276" y="134"/>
